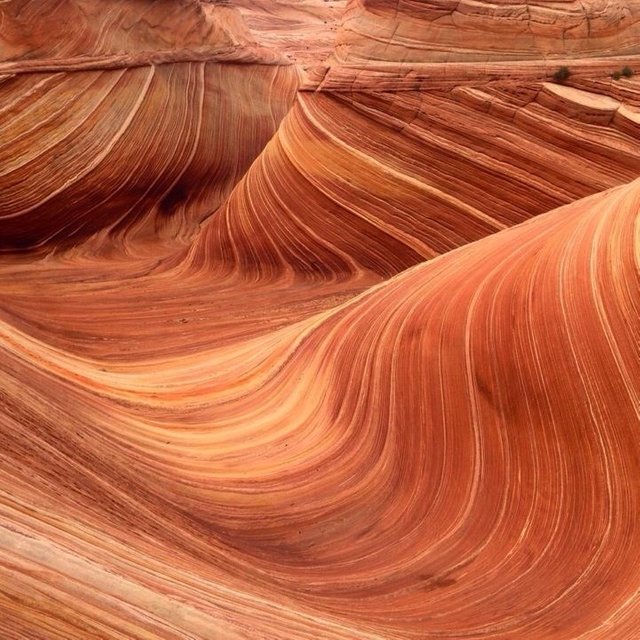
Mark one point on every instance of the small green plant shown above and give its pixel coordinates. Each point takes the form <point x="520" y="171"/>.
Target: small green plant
<point x="562" y="75"/>
<point x="616" y="75"/>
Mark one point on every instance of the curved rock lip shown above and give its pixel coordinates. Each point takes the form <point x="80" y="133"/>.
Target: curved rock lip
<point x="235" y="55"/>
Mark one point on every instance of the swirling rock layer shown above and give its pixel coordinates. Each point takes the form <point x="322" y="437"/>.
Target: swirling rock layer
<point x="394" y="178"/>
<point x="98" y="138"/>
<point x="369" y="370"/>
<point x="223" y="470"/>
<point x="142" y="150"/>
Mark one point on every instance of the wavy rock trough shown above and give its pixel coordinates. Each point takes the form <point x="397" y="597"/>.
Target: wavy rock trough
<point x="304" y="339"/>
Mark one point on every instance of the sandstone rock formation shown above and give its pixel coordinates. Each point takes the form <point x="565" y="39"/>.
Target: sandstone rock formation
<point x="391" y="179"/>
<point x="141" y="150"/>
<point x="304" y="30"/>
<point x="479" y="31"/>
<point x="81" y="28"/>
<point x="344" y="349"/>
<point x="97" y="138"/>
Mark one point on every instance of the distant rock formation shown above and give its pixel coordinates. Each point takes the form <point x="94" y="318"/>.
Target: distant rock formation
<point x="90" y="28"/>
<point x="478" y="31"/>
<point x="304" y="30"/>
<point x="128" y="122"/>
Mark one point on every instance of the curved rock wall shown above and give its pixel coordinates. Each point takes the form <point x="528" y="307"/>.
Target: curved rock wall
<point x="377" y="182"/>
<point x="141" y="150"/>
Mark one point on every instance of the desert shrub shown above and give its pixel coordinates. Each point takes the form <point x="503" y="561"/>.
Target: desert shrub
<point x="562" y="74"/>
<point x="627" y="72"/>
<point x="616" y="75"/>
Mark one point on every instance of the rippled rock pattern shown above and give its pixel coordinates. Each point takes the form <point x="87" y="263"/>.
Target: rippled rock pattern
<point x="137" y="150"/>
<point x="305" y="343"/>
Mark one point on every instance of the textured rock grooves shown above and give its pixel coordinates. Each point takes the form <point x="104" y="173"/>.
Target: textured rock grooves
<point x="305" y="30"/>
<point x="116" y="27"/>
<point x="354" y="362"/>
<point x="98" y="139"/>
<point x="479" y="31"/>
<point x="137" y="150"/>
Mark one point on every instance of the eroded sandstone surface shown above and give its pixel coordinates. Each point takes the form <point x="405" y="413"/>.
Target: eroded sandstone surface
<point x="319" y="320"/>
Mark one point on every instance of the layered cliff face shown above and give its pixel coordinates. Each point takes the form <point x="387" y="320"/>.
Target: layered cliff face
<point x="358" y="361"/>
<point x="138" y="151"/>
<point x="444" y="31"/>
